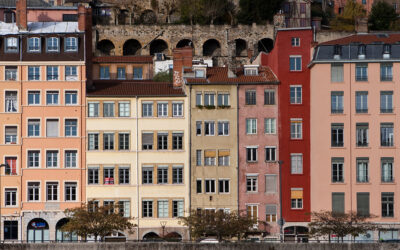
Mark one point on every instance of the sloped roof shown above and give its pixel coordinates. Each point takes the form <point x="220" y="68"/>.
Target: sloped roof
<point x="114" y="88"/>
<point x="366" y="39"/>
<point x="30" y="3"/>
<point x="40" y="28"/>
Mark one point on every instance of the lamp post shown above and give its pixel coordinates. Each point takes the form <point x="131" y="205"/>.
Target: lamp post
<point x="163" y="224"/>
<point x="1" y="165"/>
<point x="281" y="220"/>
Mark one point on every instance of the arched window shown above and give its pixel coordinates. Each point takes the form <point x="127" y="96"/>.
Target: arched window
<point x="38" y="231"/>
<point x="64" y="236"/>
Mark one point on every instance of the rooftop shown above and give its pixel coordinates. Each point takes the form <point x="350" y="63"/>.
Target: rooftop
<point x="30" y="3"/>
<point x="112" y="88"/>
<point x="123" y="59"/>
<point x="40" y="28"/>
<point x="366" y="39"/>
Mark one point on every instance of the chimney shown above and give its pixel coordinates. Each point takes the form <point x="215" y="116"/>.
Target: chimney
<point x="182" y="59"/>
<point x="81" y="18"/>
<point x="21" y="15"/>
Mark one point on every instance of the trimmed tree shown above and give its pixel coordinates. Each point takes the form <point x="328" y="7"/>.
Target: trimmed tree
<point x="382" y="17"/>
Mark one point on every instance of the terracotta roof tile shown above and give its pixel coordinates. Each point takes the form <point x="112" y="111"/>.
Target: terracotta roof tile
<point x="123" y="59"/>
<point x="389" y="38"/>
<point x="133" y="88"/>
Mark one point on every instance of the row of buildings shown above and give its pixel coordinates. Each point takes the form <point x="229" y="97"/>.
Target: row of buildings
<point x="284" y="135"/>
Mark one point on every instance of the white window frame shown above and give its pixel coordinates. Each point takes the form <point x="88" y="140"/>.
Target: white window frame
<point x="298" y="167"/>
<point x="297" y="94"/>
<point x="297" y="125"/>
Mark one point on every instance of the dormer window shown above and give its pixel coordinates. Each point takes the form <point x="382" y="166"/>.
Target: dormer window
<point x="11" y="44"/>
<point x="337" y="52"/>
<point x="34" y="44"/>
<point x="52" y="44"/>
<point x="250" y="70"/>
<point x="71" y="44"/>
<point x="200" y="73"/>
<point x="361" y="51"/>
<point x="386" y="51"/>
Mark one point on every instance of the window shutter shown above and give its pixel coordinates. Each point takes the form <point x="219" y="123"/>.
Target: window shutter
<point x="223" y="153"/>
<point x="338" y="202"/>
<point x="296" y="194"/>
<point x="127" y="208"/>
<point x="363" y="204"/>
<point x="11" y="130"/>
<point x="147" y="138"/>
<point x="209" y="153"/>
<point x="270" y="183"/>
<point x="52" y="128"/>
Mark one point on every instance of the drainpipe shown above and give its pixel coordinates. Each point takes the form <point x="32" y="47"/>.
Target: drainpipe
<point x="190" y="152"/>
<point x="20" y="133"/>
<point x="237" y="144"/>
<point x="137" y="168"/>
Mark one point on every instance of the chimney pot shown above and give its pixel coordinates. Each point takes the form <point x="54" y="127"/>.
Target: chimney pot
<point x="81" y="18"/>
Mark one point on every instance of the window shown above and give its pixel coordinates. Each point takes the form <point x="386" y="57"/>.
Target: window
<point x="209" y="157"/>
<point x="104" y="72"/>
<point x="11" y="44"/>
<point x="198" y="99"/>
<point x="271" y="183"/>
<point x="386" y="72"/>
<point x="123" y="141"/>
<point x="198" y="187"/>
<point x="33" y="73"/>
<point x="11" y="167"/>
<point x="10" y="230"/>
<point x="295" y="63"/>
<point x="336" y="72"/>
<point x="209" y="128"/>
<point x="162" y="206"/>
<point x="338" y="203"/>
<point x="124" y="109"/>
<point x="223" y="157"/>
<point x="337" y="170"/>
<point x="361" y="51"/>
<point x="71" y="97"/>
<point x="108" y="175"/>
<point x="33" y="97"/>
<point x="33" y="127"/>
<point x="93" y="141"/>
<point x="93" y="109"/>
<point x="147" y="141"/>
<point x="52" y="191"/>
<point x="270" y="153"/>
<point x="223" y="99"/>
<point x="147" y="175"/>
<point x="223" y="186"/>
<point x="199" y="73"/>
<point x="337" y="102"/>
<point x="123" y="174"/>
<point x="363" y="204"/>
<point x="110" y="205"/>
<point x="362" y="169"/>
<point x="162" y="174"/>
<point x="177" y="174"/>
<point x="162" y="141"/>
<point x="52" y="97"/>
<point x="71" y="127"/>
<point x="250" y="97"/>
<point x="147" y="209"/>
<point x="269" y="97"/>
<point x="209" y="99"/>
<point x="10" y="135"/>
<point x="270" y="213"/>
<point x="70" y="158"/>
<point x="387" y="138"/>
<point x="295" y="94"/>
<point x="362" y="134"/>
<point x="162" y="109"/>
<point x="71" y="73"/>
<point x="361" y="72"/>
<point x="147" y="109"/>
<point x="209" y="185"/>
<point x="177" y="208"/>
<point x="251" y="126"/>
<point x="33" y="159"/>
<point x="10" y="197"/>
<point x="137" y="73"/>
<point x="33" y="44"/>
<point x="124" y="208"/>
<point x="223" y="128"/>
<point x="121" y="75"/>
<point x="108" y="141"/>
<point x="270" y="125"/>
<point x="52" y="44"/>
<point x="251" y="183"/>
<point x="33" y="191"/>
<point x="387" y="204"/>
<point x="177" y="141"/>
<point x="337" y="134"/>
<point x="387" y="169"/>
<point x="361" y="102"/>
<point x="296" y="161"/>
<point x="11" y="101"/>
<point x="295" y="41"/>
<point x="52" y="128"/>
<point x="52" y="159"/>
<point x="296" y="198"/>
<point x="251" y="154"/>
<point x="198" y="157"/>
<point x="71" y="44"/>
<point x="11" y="73"/>
<point x="70" y="191"/>
<point x="93" y="175"/>
<point x="177" y="109"/>
<point x="252" y="212"/>
<point x="386" y="101"/>
<point x="296" y="128"/>
<point x="108" y="109"/>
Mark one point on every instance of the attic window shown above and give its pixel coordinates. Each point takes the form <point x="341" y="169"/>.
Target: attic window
<point x="199" y="73"/>
<point x="337" y="51"/>
<point x="251" y="72"/>
<point x="386" y="51"/>
<point x="361" y="51"/>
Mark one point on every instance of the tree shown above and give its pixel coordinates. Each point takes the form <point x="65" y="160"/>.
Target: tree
<point x="382" y="16"/>
<point x="327" y="223"/>
<point x="219" y="224"/>
<point x="163" y="76"/>
<point x="96" y="221"/>
<point x="258" y="11"/>
<point x="206" y="11"/>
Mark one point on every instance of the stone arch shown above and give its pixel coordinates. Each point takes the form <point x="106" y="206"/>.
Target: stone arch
<point x="132" y="47"/>
<point x="148" y="17"/>
<point x="212" y="48"/>
<point x="184" y="42"/>
<point x="240" y="47"/>
<point x="158" y="46"/>
<point x="150" y="235"/>
<point x="106" y="47"/>
<point x="265" y="45"/>
<point x="64" y="236"/>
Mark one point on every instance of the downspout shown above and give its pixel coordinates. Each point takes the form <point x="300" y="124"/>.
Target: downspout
<point x="20" y="132"/>
<point x="137" y="168"/>
<point x="351" y="145"/>
<point x="237" y="144"/>
<point x="83" y="145"/>
<point x="190" y="152"/>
